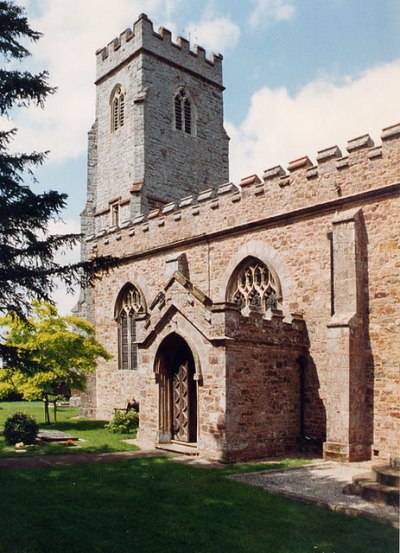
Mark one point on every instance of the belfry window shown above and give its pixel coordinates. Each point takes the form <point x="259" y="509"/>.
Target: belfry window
<point x="255" y="286"/>
<point x="117" y="109"/>
<point x="129" y="307"/>
<point x="184" y="112"/>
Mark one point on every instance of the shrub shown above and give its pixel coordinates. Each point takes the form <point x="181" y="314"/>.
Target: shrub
<point x="20" y="428"/>
<point x="124" y="422"/>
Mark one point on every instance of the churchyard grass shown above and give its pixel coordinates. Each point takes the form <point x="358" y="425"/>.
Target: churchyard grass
<point x="157" y="505"/>
<point x="94" y="438"/>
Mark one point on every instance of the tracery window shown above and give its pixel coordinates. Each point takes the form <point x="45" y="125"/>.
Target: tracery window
<point x="255" y="286"/>
<point x="117" y="109"/>
<point x="129" y="306"/>
<point x="184" y="112"/>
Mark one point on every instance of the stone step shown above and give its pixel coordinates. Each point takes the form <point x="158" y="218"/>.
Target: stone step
<point x="184" y="449"/>
<point x="186" y="444"/>
<point x="367" y="486"/>
<point x="379" y="493"/>
<point x="355" y="488"/>
<point x="387" y="475"/>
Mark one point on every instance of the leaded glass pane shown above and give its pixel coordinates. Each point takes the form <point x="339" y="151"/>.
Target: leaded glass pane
<point x="178" y="113"/>
<point x="115" y="114"/>
<point x="188" y="116"/>
<point x="183" y="112"/>
<point x="255" y="286"/>
<point x="121" y="110"/>
<point x="124" y="340"/>
<point x="133" y="344"/>
<point x="131" y="306"/>
<point x="118" y="109"/>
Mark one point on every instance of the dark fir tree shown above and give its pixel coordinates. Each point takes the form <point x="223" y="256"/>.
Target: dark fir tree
<point x="28" y="269"/>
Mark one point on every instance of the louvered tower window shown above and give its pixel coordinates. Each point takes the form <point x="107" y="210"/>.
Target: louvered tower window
<point x="184" y="112"/>
<point x="129" y="307"/>
<point x="255" y="286"/>
<point x="117" y="109"/>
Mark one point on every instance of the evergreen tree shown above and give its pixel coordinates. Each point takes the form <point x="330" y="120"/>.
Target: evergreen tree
<point x="28" y="269"/>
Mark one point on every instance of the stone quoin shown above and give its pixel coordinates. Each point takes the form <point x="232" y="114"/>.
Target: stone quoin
<point x="246" y="320"/>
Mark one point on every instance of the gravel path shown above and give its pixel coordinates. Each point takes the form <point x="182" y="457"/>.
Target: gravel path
<point x="322" y="484"/>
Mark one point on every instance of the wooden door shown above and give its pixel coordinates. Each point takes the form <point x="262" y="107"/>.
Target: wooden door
<point x="178" y="391"/>
<point x="180" y="403"/>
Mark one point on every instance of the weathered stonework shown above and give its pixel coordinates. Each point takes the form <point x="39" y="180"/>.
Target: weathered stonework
<point x="319" y="367"/>
<point x="146" y="161"/>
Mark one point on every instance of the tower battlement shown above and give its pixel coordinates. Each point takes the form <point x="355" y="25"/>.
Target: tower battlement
<point x="143" y="39"/>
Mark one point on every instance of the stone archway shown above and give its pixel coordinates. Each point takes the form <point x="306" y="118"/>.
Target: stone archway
<point x="177" y="391"/>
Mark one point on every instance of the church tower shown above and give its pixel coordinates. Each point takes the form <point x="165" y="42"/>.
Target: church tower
<point x="158" y="134"/>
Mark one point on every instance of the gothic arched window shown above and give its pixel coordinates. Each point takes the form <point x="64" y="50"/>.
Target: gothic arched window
<point x="129" y="306"/>
<point x="184" y="112"/>
<point x="254" y="286"/>
<point x="117" y="108"/>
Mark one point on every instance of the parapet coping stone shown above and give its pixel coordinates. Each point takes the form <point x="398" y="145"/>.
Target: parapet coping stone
<point x="169" y="207"/>
<point x="187" y="200"/>
<point x="224" y="188"/>
<point x="342" y="162"/>
<point x="273" y="172"/>
<point x="375" y="152"/>
<point x="364" y="141"/>
<point x="391" y="132"/>
<point x="328" y="153"/>
<point x="300" y="163"/>
<point x="205" y="195"/>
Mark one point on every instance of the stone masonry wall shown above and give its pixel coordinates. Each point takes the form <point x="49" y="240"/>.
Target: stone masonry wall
<point x="178" y="164"/>
<point x="285" y="220"/>
<point x="146" y="159"/>
<point x="263" y="387"/>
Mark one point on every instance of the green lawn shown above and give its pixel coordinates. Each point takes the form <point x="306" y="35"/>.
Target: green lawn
<point x="95" y="438"/>
<point x="156" y="505"/>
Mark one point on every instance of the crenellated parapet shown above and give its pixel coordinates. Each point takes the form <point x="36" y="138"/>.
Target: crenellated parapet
<point x="143" y="39"/>
<point x="333" y="182"/>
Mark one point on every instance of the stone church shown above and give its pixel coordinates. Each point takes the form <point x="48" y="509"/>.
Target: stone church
<point x="246" y="320"/>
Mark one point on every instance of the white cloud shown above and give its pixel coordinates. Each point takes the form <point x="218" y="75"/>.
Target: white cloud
<point x="217" y="35"/>
<point x="265" y="10"/>
<point x="72" y="31"/>
<point x="280" y="128"/>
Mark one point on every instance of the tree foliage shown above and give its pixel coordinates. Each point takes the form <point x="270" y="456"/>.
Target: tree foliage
<point x="62" y="350"/>
<point x="28" y="268"/>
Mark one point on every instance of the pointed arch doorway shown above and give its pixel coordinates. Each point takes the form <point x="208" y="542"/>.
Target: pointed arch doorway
<point x="177" y="391"/>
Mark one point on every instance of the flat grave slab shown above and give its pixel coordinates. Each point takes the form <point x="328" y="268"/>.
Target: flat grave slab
<point x="55" y="436"/>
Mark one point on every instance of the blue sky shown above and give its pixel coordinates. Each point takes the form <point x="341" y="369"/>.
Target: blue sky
<point x="300" y="75"/>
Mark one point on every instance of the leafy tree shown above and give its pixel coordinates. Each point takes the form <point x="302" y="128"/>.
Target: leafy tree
<point x="62" y="350"/>
<point x="28" y="269"/>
